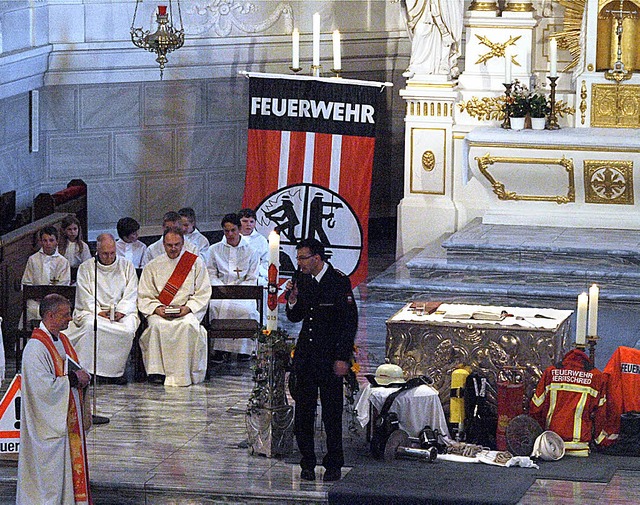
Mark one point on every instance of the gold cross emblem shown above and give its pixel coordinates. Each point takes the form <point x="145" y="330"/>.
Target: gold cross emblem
<point x="498" y="49"/>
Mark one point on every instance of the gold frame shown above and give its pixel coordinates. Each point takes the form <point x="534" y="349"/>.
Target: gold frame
<point x="618" y="95"/>
<point x="499" y="188"/>
<point x="444" y="163"/>
<point x="623" y="167"/>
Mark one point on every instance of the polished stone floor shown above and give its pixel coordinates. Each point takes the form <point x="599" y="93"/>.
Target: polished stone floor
<point x="185" y="445"/>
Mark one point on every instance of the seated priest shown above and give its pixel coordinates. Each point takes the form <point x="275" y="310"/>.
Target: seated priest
<point x="232" y="261"/>
<point x="170" y="220"/>
<point x="173" y="294"/>
<point x="116" y="308"/>
<point x="46" y="267"/>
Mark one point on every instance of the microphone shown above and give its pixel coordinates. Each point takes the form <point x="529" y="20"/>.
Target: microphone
<point x="294" y="280"/>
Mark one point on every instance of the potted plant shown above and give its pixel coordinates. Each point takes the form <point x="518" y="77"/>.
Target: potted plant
<point x="538" y="110"/>
<point x="518" y="105"/>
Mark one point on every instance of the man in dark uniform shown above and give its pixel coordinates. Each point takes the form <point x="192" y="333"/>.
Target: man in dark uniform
<point x="321" y="297"/>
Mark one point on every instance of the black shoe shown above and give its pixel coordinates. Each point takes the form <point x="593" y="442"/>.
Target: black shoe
<point x="156" y="378"/>
<point x="243" y="358"/>
<point x="218" y="357"/>
<point x="307" y="474"/>
<point x="331" y="475"/>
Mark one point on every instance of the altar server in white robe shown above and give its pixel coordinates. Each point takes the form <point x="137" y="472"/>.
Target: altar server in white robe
<point x="170" y="220"/>
<point x="53" y="466"/>
<point x="116" y="307"/>
<point x="191" y="233"/>
<point x="173" y="294"/>
<point x="128" y="246"/>
<point x="233" y="261"/>
<point x="256" y="240"/>
<point x="46" y="267"/>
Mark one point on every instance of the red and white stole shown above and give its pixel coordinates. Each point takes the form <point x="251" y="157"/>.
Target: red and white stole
<point x="77" y="442"/>
<point x="177" y="278"/>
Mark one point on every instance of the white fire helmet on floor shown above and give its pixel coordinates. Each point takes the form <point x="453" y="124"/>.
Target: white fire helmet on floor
<point x="389" y="374"/>
<point x="548" y="446"/>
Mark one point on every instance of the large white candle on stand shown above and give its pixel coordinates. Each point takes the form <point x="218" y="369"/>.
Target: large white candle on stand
<point x="581" y="319"/>
<point x="316" y="40"/>
<point x="553" y="58"/>
<point x="594" y="292"/>
<point x="295" y="48"/>
<point x="508" y="52"/>
<point x="337" y="57"/>
<point x="272" y="287"/>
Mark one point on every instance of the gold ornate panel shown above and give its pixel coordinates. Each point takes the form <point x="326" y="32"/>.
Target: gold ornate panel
<point x="615" y="105"/>
<point x="484" y="162"/>
<point x="608" y="182"/>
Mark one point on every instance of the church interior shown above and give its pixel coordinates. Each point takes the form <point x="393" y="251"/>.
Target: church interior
<point x="465" y="210"/>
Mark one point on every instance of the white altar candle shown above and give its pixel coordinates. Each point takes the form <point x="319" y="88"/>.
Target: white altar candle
<point x="553" y="58"/>
<point x="508" y="52"/>
<point x="581" y="319"/>
<point x="295" y="48"/>
<point x="337" y="57"/>
<point x="272" y="288"/>
<point x="594" y="292"/>
<point x="316" y="39"/>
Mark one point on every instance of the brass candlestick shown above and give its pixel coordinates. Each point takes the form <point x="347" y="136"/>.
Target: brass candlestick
<point x="506" y="124"/>
<point x="552" y="121"/>
<point x="315" y="70"/>
<point x="336" y="71"/>
<point x="295" y="70"/>
<point x="591" y="342"/>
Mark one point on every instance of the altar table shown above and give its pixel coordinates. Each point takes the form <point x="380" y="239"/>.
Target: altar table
<point x="436" y="344"/>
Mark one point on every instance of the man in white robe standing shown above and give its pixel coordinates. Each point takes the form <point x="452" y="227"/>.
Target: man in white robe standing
<point x="173" y="294"/>
<point x="233" y="262"/>
<point x="46" y="267"/>
<point x="256" y="240"/>
<point x="52" y="467"/>
<point x="116" y="307"/>
<point x="170" y="220"/>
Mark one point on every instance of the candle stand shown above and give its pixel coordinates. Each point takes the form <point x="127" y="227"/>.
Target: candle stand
<point x="315" y="70"/>
<point x="336" y="71"/>
<point x="552" y="122"/>
<point x="295" y="69"/>
<point x="506" y="124"/>
<point x="591" y="343"/>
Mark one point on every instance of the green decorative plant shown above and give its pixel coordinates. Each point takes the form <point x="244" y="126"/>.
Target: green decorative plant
<point x="538" y="105"/>
<point x="517" y="104"/>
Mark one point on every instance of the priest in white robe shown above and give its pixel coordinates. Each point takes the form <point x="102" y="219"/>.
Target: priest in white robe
<point x="233" y="261"/>
<point x="53" y="466"/>
<point x="256" y="241"/>
<point x="170" y="220"/>
<point x="116" y="308"/>
<point x="173" y="294"/>
<point x="46" y="267"/>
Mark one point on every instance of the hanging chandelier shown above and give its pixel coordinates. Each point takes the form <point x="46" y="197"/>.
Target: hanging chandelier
<point x="165" y="39"/>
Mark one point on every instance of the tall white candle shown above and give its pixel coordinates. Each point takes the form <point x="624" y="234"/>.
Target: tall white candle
<point x="508" y="52"/>
<point x="581" y="319"/>
<point x="272" y="293"/>
<point x="316" y="39"/>
<point x="594" y="292"/>
<point x="295" y="48"/>
<point x="337" y="57"/>
<point x="553" y="58"/>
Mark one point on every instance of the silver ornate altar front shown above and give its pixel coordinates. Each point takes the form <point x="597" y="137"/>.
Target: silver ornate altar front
<point x="437" y="348"/>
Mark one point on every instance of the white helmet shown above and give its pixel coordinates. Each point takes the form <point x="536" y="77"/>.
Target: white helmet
<point x="548" y="446"/>
<point x="389" y="374"/>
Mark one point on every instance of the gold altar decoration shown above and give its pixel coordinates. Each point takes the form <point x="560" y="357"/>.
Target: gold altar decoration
<point x="569" y="37"/>
<point x="483" y="6"/>
<point x="491" y="108"/>
<point x="484" y="162"/>
<point x="428" y="161"/>
<point x="615" y="105"/>
<point x="514" y="6"/>
<point x="583" y="102"/>
<point x="608" y="182"/>
<point x="617" y="37"/>
<point x="497" y="49"/>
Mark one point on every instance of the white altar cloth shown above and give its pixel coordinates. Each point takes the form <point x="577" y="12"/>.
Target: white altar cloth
<point x="415" y="407"/>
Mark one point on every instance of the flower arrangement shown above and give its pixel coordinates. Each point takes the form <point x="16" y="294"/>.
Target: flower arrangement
<point x="538" y="105"/>
<point x="517" y="103"/>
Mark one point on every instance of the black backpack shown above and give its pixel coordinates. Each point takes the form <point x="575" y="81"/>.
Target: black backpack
<point x="628" y="443"/>
<point x="481" y="411"/>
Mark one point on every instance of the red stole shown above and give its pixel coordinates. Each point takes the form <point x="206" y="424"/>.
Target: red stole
<point x="75" y="427"/>
<point x="177" y="278"/>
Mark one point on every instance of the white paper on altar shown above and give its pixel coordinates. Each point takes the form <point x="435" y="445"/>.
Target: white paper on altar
<point x="534" y="318"/>
<point x="415" y="407"/>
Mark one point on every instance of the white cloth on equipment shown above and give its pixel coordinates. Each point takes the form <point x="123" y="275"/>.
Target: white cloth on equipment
<point x="229" y="265"/>
<point x="117" y="286"/>
<point x="416" y="408"/>
<point x="43" y="270"/>
<point x="132" y="251"/>
<point x="176" y="348"/>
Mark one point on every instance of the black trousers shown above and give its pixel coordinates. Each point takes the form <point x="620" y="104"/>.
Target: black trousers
<point x="310" y="381"/>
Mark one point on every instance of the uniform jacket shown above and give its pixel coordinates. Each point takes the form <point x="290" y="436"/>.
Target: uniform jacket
<point x="329" y="315"/>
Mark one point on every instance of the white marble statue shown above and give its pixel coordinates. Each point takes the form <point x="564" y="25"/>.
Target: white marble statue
<point x="436" y="26"/>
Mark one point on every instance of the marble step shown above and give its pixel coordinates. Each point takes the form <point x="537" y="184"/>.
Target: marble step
<point x="531" y="245"/>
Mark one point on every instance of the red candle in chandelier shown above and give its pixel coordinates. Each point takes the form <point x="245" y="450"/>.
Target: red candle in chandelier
<point x="162" y="10"/>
